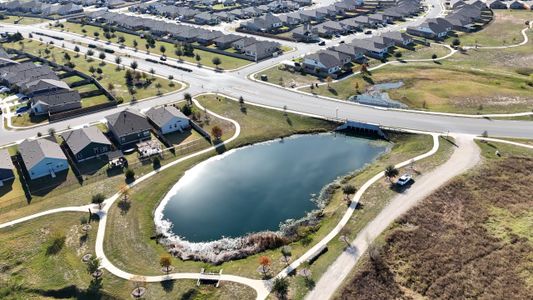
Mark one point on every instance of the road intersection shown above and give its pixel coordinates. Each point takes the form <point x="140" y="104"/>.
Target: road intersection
<point x="236" y="83"/>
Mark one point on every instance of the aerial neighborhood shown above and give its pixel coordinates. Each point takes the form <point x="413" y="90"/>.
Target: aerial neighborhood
<point x="266" y="149"/>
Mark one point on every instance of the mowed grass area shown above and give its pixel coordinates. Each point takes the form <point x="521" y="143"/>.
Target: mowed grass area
<point x="257" y="124"/>
<point x="22" y="20"/>
<point x="110" y="73"/>
<point x="478" y="81"/>
<point x="227" y="62"/>
<point x="503" y="30"/>
<point x="476" y="229"/>
<point x="33" y="269"/>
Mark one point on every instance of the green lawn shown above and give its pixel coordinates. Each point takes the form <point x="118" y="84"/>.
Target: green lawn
<point x="22" y="20"/>
<point x="227" y="62"/>
<point x="479" y="81"/>
<point x="503" y="30"/>
<point x="110" y="73"/>
<point x="30" y="270"/>
<point x="25" y="120"/>
<point x="422" y="52"/>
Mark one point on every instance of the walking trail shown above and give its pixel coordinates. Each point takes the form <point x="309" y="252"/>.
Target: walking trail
<point x="465" y="156"/>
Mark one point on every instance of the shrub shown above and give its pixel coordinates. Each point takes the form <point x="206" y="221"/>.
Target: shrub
<point x="130" y="174"/>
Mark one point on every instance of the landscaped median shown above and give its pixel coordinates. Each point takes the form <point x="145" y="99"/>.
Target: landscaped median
<point x="109" y="75"/>
<point x="159" y="48"/>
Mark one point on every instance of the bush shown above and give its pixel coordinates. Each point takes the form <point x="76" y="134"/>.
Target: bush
<point x="156" y="162"/>
<point x="130" y="174"/>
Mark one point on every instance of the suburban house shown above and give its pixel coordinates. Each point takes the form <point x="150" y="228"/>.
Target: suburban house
<point x="86" y="143"/>
<point x="128" y="127"/>
<point x="431" y="29"/>
<point x="291" y="19"/>
<point x="206" y="18"/>
<point x="44" y="86"/>
<point x="400" y="39"/>
<point x="496" y="4"/>
<point x="55" y="101"/>
<point x="225" y="41"/>
<point x="516" y="5"/>
<point x="266" y="23"/>
<point x="351" y="25"/>
<point x="261" y="50"/>
<point x="168" y="119"/>
<point x="305" y="33"/>
<point x="325" y="63"/>
<point x="6" y="167"/>
<point x="355" y="53"/>
<point x="42" y="157"/>
<point x="242" y="43"/>
<point x="372" y="48"/>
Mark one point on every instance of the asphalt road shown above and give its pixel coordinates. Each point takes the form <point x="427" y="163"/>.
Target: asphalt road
<point x="237" y="84"/>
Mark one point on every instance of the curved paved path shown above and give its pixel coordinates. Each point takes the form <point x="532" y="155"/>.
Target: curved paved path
<point x="464" y="157"/>
<point x="525" y="41"/>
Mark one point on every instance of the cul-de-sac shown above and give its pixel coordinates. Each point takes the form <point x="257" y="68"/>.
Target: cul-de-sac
<point x="269" y="149"/>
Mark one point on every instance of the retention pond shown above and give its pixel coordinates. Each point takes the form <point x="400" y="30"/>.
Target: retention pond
<point x="255" y="188"/>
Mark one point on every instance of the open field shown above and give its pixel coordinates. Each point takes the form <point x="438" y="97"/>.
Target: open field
<point x="32" y="268"/>
<point x="22" y="20"/>
<point x="503" y="30"/>
<point x="227" y="62"/>
<point x="110" y="74"/>
<point x="461" y="241"/>
<point x="480" y="81"/>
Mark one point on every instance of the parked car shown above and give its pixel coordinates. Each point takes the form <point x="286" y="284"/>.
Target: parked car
<point x="22" y="109"/>
<point x="322" y="43"/>
<point x="368" y="32"/>
<point x="404" y="180"/>
<point x="163" y="58"/>
<point x="4" y="89"/>
<point x="341" y="42"/>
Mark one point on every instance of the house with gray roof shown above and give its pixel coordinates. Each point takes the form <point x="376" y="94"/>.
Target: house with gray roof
<point x="266" y="23"/>
<point x="128" y="127"/>
<point x="55" y="101"/>
<point x="400" y="39"/>
<point x="44" y="86"/>
<point x="42" y="157"/>
<point x="225" y="41"/>
<point x="6" y="167"/>
<point x="261" y="50"/>
<point x="496" y="4"/>
<point x="168" y="119"/>
<point x="86" y="143"/>
<point x="325" y="63"/>
<point x="356" y="54"/>
<point x="305" y="33"/>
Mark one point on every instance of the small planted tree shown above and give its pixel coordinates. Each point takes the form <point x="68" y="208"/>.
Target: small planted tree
<point x="188" y="98"/>
<point x="349" y="189"/>
<point x="93" y="266"/>
<point x="434" y="56"/>
<point x="165" y="262"/>
<point x="135" y="44"/>
<point x="456" y="42"/>
<point x="280" y="287"/>
<point x="51" y="131"/>
<point x="77" y="50"/>
<point x="118" y="60"/>
<point x="198" y="58"/>
<point x="98" y="199"/>
<point x="162" y="49"/>
<point x="130" y="174"/>
<point x="264" y="264"/>
<point x="158" y="87"/>
<point x="286" y="252"/>
<point x="216" y="131"/>
<point x="216" y="61"/>
<point x="391" y="172"/>
<point x="134" y="65"/>
<point x="139" y="288"/>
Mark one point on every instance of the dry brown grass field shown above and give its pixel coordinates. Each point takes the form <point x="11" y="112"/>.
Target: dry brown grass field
<point x="472" y="239"/>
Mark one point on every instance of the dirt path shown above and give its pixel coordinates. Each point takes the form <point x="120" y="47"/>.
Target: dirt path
<point x="465" y="156"/>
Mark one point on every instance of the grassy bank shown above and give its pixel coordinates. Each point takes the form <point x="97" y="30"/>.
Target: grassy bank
<point x="475" y="227"/>
<point x="227" y="62"/>
<point x="32" y="268"/>
<point x="503" y="30"/>
<point x="257" y="124"/>
<point x="22" y="20"/>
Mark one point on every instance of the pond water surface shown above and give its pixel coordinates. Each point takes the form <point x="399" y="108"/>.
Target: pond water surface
<point x="255" y="188"/>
